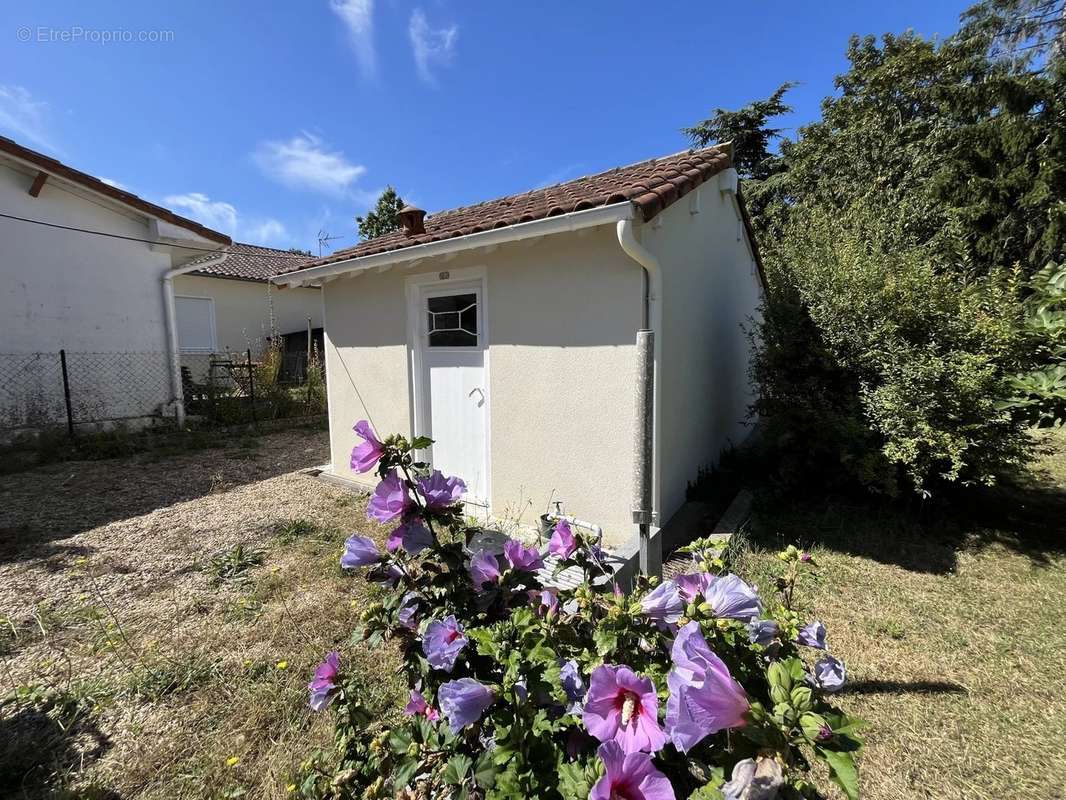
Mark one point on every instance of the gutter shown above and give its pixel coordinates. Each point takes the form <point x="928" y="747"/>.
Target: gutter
<point x="170" y="322"/>
<point x="563" y="223"/>
<point x="646" y="462"/>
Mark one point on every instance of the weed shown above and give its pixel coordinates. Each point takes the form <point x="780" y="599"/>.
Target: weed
<point x="234" y="564"/>
<point x="64" y="704"/>
<point x="170" y="677"/>
<point x="891" y="628"/>
<point x="289" y="531"/>
<point x="243" y="609"/>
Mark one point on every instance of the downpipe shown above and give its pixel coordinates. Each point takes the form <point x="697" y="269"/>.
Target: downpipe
<point x="645" y="466"/>
<point x="170" y="317"/>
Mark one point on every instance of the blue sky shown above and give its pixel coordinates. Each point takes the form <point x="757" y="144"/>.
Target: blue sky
<point x="272" y="121"/>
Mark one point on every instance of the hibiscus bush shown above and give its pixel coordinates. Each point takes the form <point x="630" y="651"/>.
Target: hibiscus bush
<point x="685" y="688"/>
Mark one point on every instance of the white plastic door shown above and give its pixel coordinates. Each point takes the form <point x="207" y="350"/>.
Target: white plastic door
<point x="453" y="357"/>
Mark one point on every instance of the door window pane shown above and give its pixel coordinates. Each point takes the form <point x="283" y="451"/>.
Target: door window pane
<point x="452" y="320"/>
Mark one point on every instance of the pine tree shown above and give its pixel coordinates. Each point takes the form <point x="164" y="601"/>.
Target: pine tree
<point x="383" y="218"/>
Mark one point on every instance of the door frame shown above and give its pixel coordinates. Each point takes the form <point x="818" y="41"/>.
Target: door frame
<point x="416" y="287"/>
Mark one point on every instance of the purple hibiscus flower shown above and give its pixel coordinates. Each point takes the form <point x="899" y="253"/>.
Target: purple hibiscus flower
<point x="418" y="707"/>
<point x="812" y="635"/>
<point x="440" y="492"/>
<point x="573" y="685"/>
<point x="365" y="456"/>
<point x="521" y="557"/>
<point x="547" y="601"/>
<point x="413" y="536"/>
<point x="630" y="776"/>
<point x="731" y="598"/>
<point x="622" y="707"/>
<point x="359" y="551"/>
<point x="442" y="643"/>
<point x="664" y="603"/>
<point x="385" y="575"/>
<point x="763" y="631"/>
<point x="323" y="687"/>
<point x="463" y="702"/>
<point x="563" y="543"/>
<point x="484" y="569"/>
<point x="408" y="611"/>
<point x="829" y="674"/>
<point x="704" y="697"/>
<point x="693" y="585"/>
<point x="390" y="499"/>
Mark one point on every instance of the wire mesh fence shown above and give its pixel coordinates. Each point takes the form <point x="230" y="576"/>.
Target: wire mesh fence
<point x="86" y="391"/>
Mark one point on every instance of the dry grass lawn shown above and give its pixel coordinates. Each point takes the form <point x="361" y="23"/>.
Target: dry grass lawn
<point x="952" y="631"/>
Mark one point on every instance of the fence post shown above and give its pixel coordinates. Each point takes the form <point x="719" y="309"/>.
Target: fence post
<point x="307" y="366"/>
<point x="251" y="387"/>
<point x="66" y="393"/>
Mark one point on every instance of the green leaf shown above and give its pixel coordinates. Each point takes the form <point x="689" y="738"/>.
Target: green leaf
<point x="404" y="772"/>
<point x="484" y="770"/>
<point x="606" y="641"/>
<point x="458" y="767"/>
<point x="842" y="770"/>
<point x="421" y="443"/>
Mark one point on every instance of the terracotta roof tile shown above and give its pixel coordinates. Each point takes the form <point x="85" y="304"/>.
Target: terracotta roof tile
<point x="251" y="262"/>
<point x="651" y="185"/>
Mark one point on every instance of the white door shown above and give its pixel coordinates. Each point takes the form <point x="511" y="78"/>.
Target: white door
<point x="455" y="395"/>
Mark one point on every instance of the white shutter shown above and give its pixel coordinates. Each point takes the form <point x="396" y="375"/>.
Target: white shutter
<point x="196" y="324"/>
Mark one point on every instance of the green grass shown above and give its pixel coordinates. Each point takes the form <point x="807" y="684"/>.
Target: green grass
<point x="950" y="623"/>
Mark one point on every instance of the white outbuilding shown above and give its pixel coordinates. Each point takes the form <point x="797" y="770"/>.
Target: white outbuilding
<point x="582" y="343"/>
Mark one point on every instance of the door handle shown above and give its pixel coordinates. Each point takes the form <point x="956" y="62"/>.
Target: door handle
<point x="480" y="393"/>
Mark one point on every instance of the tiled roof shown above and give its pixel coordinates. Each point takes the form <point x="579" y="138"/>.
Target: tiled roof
<point x="251" y="262"/>
<point x="51" y="166"/>
<point x="651" y="185"/>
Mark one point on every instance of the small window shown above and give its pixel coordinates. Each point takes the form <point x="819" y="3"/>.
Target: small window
<point x="196" y="324"/>
<point x="452" y="320"/>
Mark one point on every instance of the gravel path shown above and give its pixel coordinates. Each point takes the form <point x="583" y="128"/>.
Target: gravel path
<point x="141" y="519"/>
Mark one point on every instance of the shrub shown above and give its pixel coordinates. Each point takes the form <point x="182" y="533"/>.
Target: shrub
<point x="878" y="364"/>
<point x="1039" y="395"/>
<point x="685" y="688"/>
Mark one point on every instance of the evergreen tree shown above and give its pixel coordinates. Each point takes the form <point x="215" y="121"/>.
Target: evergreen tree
<point x="383" y="218"/>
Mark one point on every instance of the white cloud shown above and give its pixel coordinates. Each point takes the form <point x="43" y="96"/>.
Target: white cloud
<point x="214" y="214"/>
<point x="431" y="46"/>
<point x="114" y="183"/>
<point x="23" y="117"/>
<point x="266" y="232"/>
<point x="358" y="16"/>
<point x="305" y="162"/>
<point x="223" y="216"/>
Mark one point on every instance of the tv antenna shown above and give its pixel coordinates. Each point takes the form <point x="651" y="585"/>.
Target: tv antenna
<point x="324" y="239"/>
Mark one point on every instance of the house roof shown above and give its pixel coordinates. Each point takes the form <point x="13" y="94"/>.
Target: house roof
<point x="650" y="185"/>
<point x="250" y="262"/>
<point x="53" y="167"/>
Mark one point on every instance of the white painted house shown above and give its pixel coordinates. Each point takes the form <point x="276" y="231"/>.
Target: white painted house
<point x="229" y="305"/>
<point x="100" y="273"/>
<point x="509" y="333"/>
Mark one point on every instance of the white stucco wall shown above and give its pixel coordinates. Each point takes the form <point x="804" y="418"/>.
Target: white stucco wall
<point x="562" y="316"/>
<point x="243" y="309"/>
<point x="87" y="294"/>
<point x="711" y="291"/>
